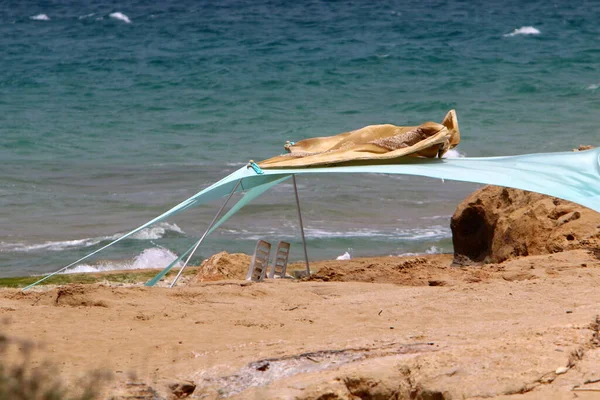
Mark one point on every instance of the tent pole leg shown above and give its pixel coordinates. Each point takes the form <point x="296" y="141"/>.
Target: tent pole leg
<point x="301" y="225"/>
<point x="205" y="233"/>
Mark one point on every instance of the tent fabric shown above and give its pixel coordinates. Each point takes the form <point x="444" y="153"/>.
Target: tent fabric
<point x="250" y="195"/>
<point x="373" y="143"/>
<point x="215" y="191"/>
<point x="573" y="176"/>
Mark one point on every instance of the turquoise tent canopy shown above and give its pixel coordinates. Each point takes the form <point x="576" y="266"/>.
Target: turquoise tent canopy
<point x="573" y="176"/>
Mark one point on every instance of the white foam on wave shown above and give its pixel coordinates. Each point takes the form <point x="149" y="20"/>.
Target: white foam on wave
<point x="86" y="16"/>
<point x="310" y="232"/>
<point x="157" y="232"/>
<point x="40" y="17"/>
<point x="524" y="30"/>
<point x="431" y="250"/>
<point x="49" y="246"/>
<point x="593" y="86"/>
<point x="452" y="153"/>
<point x="432" y="232"/>
<point x="322" y="233"/>
<point x="152" y="233"/>
<point x="437" y="217"/>
<point x="156" y="257"/>
<point x="120" y="16"/>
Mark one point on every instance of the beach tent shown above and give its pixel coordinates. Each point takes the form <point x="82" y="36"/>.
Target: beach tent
<point x="573" y="176"/>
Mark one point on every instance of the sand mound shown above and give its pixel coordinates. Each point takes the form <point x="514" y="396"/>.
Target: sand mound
<point x="70" y="295"/>
<point x="77" y="295"/>
<point x="495" y="224"/>
<point x="223" y="266"/>
<point x="414" y="271"/>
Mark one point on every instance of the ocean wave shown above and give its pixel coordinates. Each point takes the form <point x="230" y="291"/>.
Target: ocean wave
<point x="433" y="232"/>
<point x="524" y="30"/>
<point x="434" y="250"/>
<point x="309" y="232"/>
<point x="438" y="217"/>
<point x="120" y="16"/>
<point x="49" y="246"/>
<point x="156" y="257"/>
<point x="154" y="232"/>
<point x="40" y="17"/>
<point x="593" y="86"/>
<point x="86" y="16"/>
<point x="431" y="250"/>
<point x="321" y="233"/>
<point x="157" y="232"/>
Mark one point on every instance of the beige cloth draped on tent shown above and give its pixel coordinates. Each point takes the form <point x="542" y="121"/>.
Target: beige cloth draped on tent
<point x="373" y="144"/>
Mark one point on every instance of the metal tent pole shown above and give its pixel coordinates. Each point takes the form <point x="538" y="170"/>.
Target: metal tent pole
<point x="301" y="225"/>
<point x="205" y="233"/>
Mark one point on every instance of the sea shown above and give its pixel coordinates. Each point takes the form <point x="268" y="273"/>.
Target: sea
<point x="112" y="112"/>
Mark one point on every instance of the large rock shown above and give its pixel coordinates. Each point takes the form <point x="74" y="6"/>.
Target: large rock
<point x="495" y="224"/>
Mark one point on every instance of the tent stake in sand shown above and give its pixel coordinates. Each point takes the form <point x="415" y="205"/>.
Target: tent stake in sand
<point x="205" y="233"/>
<point x="301" y="225"/>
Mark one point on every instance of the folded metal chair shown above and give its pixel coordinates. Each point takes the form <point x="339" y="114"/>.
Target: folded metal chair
<point x="260" y="262"/>
<point x="280" y="261"/>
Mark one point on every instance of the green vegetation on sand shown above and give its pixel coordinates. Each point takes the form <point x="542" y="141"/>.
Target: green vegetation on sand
<point x="127" y="277"/>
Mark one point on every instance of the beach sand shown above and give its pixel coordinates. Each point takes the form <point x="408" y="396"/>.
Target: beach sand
<point x="364" y="328"/>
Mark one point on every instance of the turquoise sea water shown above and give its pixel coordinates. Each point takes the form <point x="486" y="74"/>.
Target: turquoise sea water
<point x="112" y="112"/>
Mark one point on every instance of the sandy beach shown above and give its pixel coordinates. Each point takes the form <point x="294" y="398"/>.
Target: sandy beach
<point x="388" y="327"/>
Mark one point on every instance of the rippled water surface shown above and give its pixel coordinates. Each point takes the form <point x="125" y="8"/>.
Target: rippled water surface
<point x="112" y="112"/>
